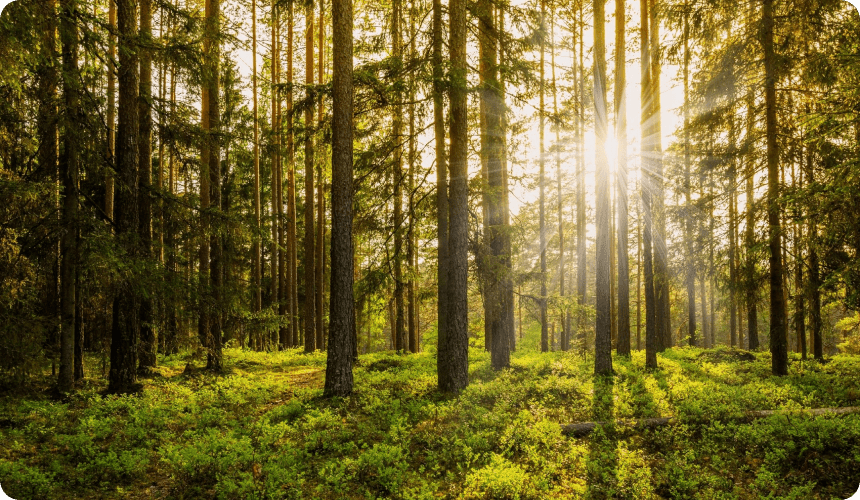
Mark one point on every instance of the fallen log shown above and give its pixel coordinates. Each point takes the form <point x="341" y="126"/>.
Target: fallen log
<point x="581" y="429"/>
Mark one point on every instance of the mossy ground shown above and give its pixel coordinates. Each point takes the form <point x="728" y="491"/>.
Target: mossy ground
<point x="263" y="431"/>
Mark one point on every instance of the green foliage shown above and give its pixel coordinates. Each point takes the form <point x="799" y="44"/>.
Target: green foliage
<point x="263" y="431"/>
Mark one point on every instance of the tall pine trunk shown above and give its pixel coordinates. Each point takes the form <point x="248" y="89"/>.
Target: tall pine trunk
<point x="148" y="339"/>
<point x="581" y="256"/>
<point x="544" y="320"/>
<point x="441" y="195"/>
<point x="623" y="346"/>
<point x="310" y="247"/>
<point x="660" y="250"/>
<point x="126" y="321"/>
<point x="454" y="372"/>
<point x="401" y="341"/>
<point x="647" y="174"/>
<point x="69" y="166"/>
<point x="498" y="236"/>
<point x="690" y="270"/>
<point x="778" y="331"/>
<point x="603" y="326"/>
<point x="341" y="343"/>
<point x="213" y="17"/>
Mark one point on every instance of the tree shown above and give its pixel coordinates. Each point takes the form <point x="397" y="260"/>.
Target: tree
<point x="498" y="263"/>
<point x="442" y="263"/>
<point x="621" y="196"/>
<point x="651" y="339"/>
<point x="338" y="379"/>
<point x="454" y="356"/>
<point x="401" y="340"/>
<point x="544" y="320"/>
<point x="126" y="321"/>
<point x="256" y="288"/>
<point x="778" y="331"/>
<point x="688" y="216"/>
<point x="148" y="357"/>
<point x="602" y="333"/>
<point x="213" y="355"/>
<point x="69" y="165"/>
<point x="310" y="247"/>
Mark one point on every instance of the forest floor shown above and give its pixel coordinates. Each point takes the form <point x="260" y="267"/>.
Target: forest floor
<point x="263" y="431"/>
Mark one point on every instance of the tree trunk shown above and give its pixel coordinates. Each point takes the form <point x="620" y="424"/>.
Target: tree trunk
<point x="799" y="291"/>
<point x="581" y="255"/>
<point x="292" y="260"/>
<point x="439" y="88"/>
<point x="814" y="282"/>
<point x="411" y="256"/>
<point x="111" y="111"/>
<point x="603" y="327"/>
<point x="148" y="358"/>
<point x="213" y="16"/>
<point x="255" y="251"/>
<point x="661" y="271"/>
<point x="651" y="338"/>
<point x="319" y="269"/>
<point x="401" y="341"/>
<point x="69" y="166"/>
<point x="751" y="299"/>
<point x="778" y="340"/>
<point x="310" y="247"/>
<point x="544" y="334"/>
<point x="338" y="380"/>
<point x="126" y="322"/>
<point x="454" y="375"/>
<point x="688" y="217"/>
<point x="623" y="323"/>
<point x="498" y="236"/>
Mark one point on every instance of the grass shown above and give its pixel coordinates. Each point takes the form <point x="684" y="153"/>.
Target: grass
<point x="263" y="431"/>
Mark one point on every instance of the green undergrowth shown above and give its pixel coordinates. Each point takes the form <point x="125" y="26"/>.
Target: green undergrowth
<point x="263" y="430"/>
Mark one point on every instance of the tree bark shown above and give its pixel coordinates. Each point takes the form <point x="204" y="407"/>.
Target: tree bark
<point x="292" y="269"/>
<point x="255" y="251"/>
<point x="126" y="321"/>
<point x="338" y="381"/>
<point x="581" y="255"/>
<point x="623" y="346"/>
<point x="411" y="254"/>
<point x="751" y="299"/>
<point x="69" y="166"/>
<point x="498" y="236"/>
<point x="454" y="376"/>
<point x="544" y="334"/>
<point x="310" y="247"/>
<point x="778" y="339"/>
<point x="661" y="270"/>
<point x="651" y="338"/>
<point x="603" y="327"/>
<point x="441" y="196"/>
<point x="688" y="216"/>
<point x="213" y="16"/>
<point x="148" y="358"/>
<point x="401" y="340"/>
